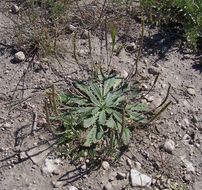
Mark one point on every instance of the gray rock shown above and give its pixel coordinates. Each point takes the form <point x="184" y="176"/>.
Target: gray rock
<point x="38" y="154"/>
<point x="49" y="166"/>
<point x="154" y="71"/>
<point x="112" y="176"/>
<point x="120" y="175"/>
<point x="57" y="184"/>
<point x="124" y="73"/>
<point x="15" y="9"/>
<point x="186" y="137"/>
<point x="169" y="146"/>
<point x="138" y="165"/>
<point x="191" y="91"/>
<point x="194" y="119"/>
<point x="187" y="178"/>
<point x="72" y="188"/>
<point x="23" y="155"/>
<point x="138" y="179"/>
<point x="56" y="172"/>
<point x="105" y="165"/>
<point x="19" y="56"/>
<point x="129" y="162"/>
<point x="131" y="46"/>
<point x="83" y="167"/>
<point x="189" y="165"/>
<point x="150" y="98"/>
<point x="108" y="186"/>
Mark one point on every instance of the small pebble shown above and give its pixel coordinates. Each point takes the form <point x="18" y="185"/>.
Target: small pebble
<point x="72" y="188"/>
<point x="169" y="146"/>
<point x="154" y="71"/>
<point x="105" y="165"/>
<point x="194" y="119"/>
<point x="19" y="56"/>
<point x="131" y="46"/>
<point x="15" y="9"/>
<point x="83" y="167"/>
<point x="128" y="161"/>
<point x="138" y="179"/>
<point x="57" y="184"/>
<point x="124" y="73"/>
<point x="108" y="186"/>
<point x="112" y="176"/>
<point x="191" y="91"/>
<point x="120" y="175"/>
<point x="187" y="178"/>
<point x="23" y="156"/>
<point x="138" y="165"/>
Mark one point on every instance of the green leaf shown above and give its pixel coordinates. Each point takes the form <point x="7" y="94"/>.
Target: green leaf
<point x="95" y="110"/>
<point x="79" y="101"/>
<point x="126" y="136"/>
<point x="90" y="121"/>
<point x="135" y="116"/>
<point x="91" y="137"/>
<point x="99" y="134"/>
<point x="92" y="97"/>
<point x="84" y="109"/>
<point x="119" y="127"/>
<point x="109" y="111"/>
<point x="81" y="87"/>
<point x="108" y="84"/>
<point x="118" y="116"/>
<point x="119" y="100"/>
<point x="113" y="36"/>
<point x="137" y="107"/>
<point x="110" y="99"/>
<point x="63" y="97"/>
<point x="111" y="123"/>
<point x="102" y="117"/>
<point x="96" y="90"/>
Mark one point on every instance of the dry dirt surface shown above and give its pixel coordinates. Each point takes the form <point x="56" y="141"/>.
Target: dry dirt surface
<point x="168" y="151"/>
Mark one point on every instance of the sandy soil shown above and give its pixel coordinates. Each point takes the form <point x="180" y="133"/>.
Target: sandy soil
<point x="24" y="155"/>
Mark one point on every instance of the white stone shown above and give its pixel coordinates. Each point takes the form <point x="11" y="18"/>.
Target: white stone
<point x="57" y="184"/>
<point x="189" y="166"/>
<point x="19" y="56"/>
<point x="108" y="186"/>
<point x="169" y="145"/>
<point x="23" y="155"/>
<point x="49" y="166"/>
<point x="72" y="188"/>
<point x="124" y="74"/>
<point x="150" y="98"/>
<point x="105" y="165"/>
<point x="191" y="91"/>
<point x="138" y="179"/>
<point x="83" y="167"/>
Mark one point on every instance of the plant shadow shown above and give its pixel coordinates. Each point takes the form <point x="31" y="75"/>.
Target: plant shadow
<point x="162" y="43"/>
